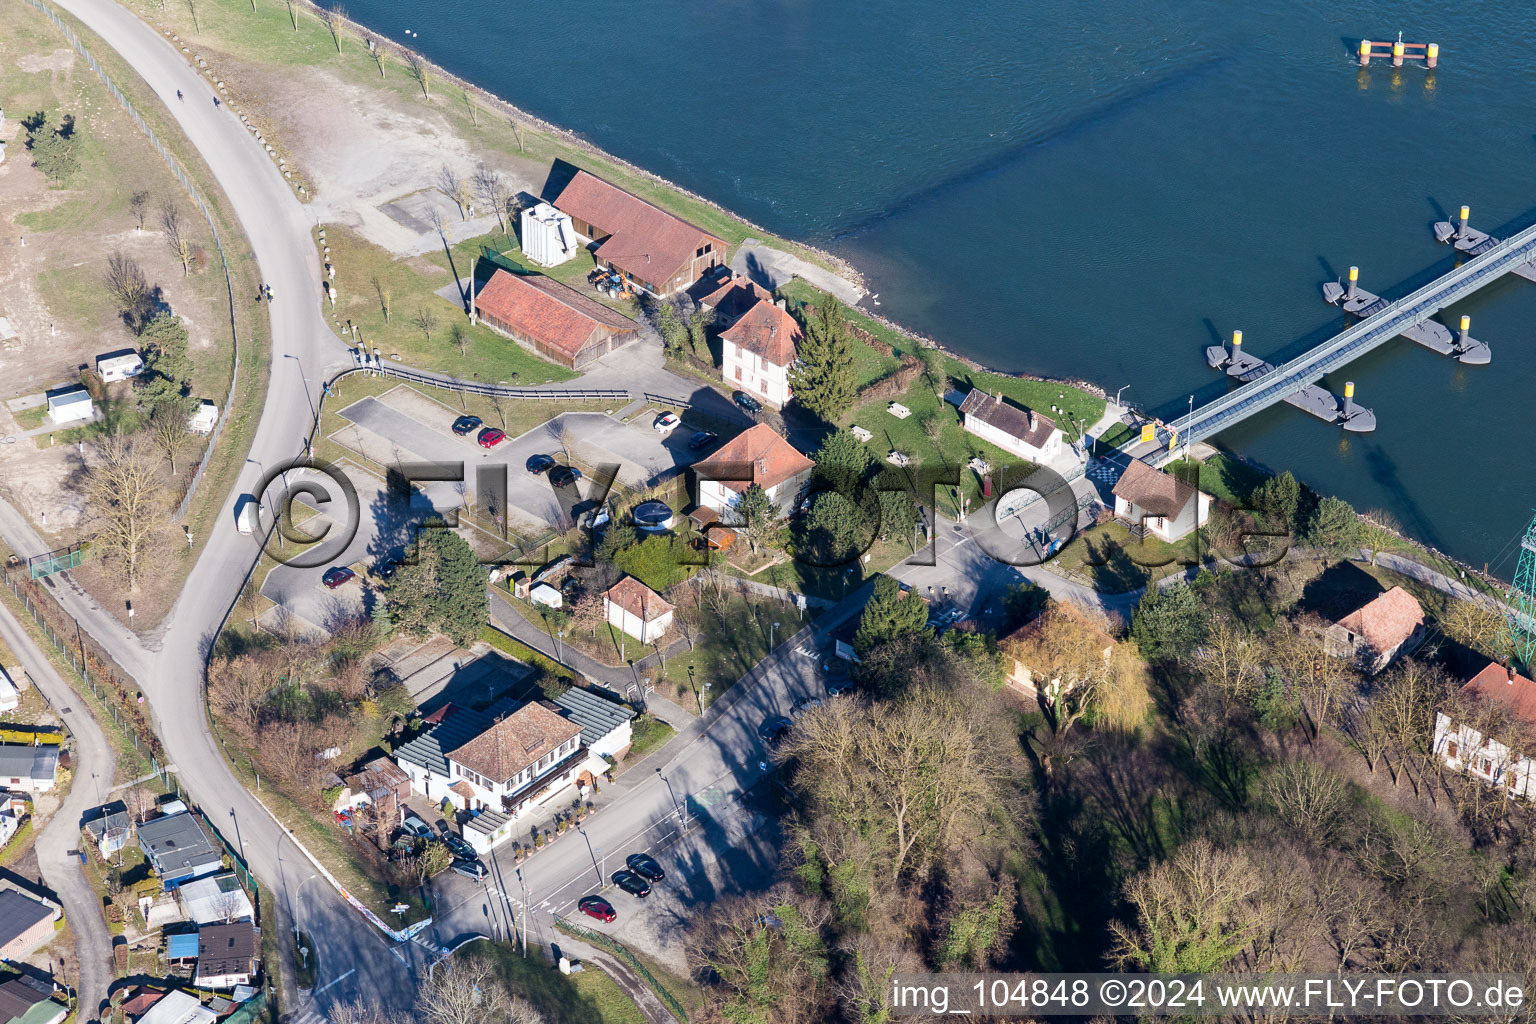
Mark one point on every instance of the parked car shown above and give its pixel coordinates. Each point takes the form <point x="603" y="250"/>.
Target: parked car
<point x="632" y="884"/>
<point x="666" y="423"/>
<point x="703" y="439"/>
<point x="838" y="687"/>
<point x="564" y="476"/>
<point x="490" y="437"/>
<point x="470" y="869"/>
<point x="774" y="729"/>
<point x="416" y="827"/>
<point x="465" y="425"/>
<point x="596" y="906"/>
<point x="746" y="403"/>
<point x="538" y="464"/>
<point x="459" y="847"/>
<point x="644" y="865"/>
<point x="336" y="575"/>
<point x="806" y="705"/>
<point x="385" y="568"/>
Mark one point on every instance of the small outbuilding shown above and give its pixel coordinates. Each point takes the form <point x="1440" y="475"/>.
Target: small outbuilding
<point x="636" y="609"/>
<point x="548" y="237"/>
<point x="558" y="322"/>
<point x="1159" y="503"/>
<point x="70" y="405"/>
<point x="546" y="595"/>
<point x="203" y="417"/>
<point x="116" y="366"/>
<point x="25" y="923"/>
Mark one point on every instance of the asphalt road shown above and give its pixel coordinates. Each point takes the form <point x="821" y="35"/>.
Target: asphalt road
<point x="95" y="767"/>
<point x="304" y="352"/>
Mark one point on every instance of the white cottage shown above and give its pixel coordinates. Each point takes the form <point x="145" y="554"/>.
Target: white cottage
<point x="634" y="608"/>
<point x="1166" y="506"/>
<point x="1462" y="747"/>
<point x="758" y="350"/>
<point x="1023" y="432"/>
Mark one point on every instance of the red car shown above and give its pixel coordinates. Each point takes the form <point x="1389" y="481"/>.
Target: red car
<point x="490" y="437"/>
<point x="596" y="906"/>
<point x="336" y="576"/>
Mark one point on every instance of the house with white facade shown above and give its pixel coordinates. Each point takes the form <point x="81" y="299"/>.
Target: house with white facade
<point x="29" y="768"/>
<point x="757" y="351"/>
<point x="1506" y="760"/>
<point x="1161" y="503"/>
<point x="632" y="607"/>
<point x="1015" y="429"/>
<point x="495" y="767"/>
<point x="755" y="456"/>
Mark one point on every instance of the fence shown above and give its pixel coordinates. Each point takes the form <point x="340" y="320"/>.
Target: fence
<point x="186" y="181"/>
<point x="623" y="953"/>
<point x="373" y="365"/>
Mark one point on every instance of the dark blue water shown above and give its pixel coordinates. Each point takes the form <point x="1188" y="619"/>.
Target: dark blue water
<point x="1098" y="188"/>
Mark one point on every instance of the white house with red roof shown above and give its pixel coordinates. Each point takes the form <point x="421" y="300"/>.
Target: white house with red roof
<point x="1374" y="634"/>
<point x="1505" y="760"/>
<point x="757" y="351"/>
<point x="1024" y="432"/>
<point x="635" y="609"/>
<point x="1159" y="502"/>
<point x="759" y="456"/>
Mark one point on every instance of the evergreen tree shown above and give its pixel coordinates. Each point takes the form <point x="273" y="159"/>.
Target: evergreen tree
<point x="167" y="370"/>
<point x="842" y="458"/>
<point x="1169" y="623"/>
<point x="833" y="532"/>
<point x="657" y="561"/>
<point x="1333" y="528"/>
<point x="898" y="515"/>
<point x="890" y="615"/>
<point x="51" y="142"/>
<point x="1280" y="498"/>
<point x="443" y="591"/>
<point x="823" y="379"/>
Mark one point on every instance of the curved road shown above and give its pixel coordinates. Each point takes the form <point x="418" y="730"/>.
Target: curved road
<point x="95" y="766"/>
<point x="303" y="346"/>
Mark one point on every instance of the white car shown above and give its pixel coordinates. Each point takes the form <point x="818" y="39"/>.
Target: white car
<point x="666" y="423"/>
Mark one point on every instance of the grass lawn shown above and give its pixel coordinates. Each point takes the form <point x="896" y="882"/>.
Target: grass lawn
<point x="590" y="996"/>
<point x="648" y="734"/>
<point x="1113" y="562"/>
<point x="1221" y="476"/>
<point x="728" y="643"/>
<point x="407" y="288"/>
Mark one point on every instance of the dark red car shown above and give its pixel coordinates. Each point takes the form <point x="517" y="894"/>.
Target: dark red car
<point x="490" y="437"/>
<point x="596" y="906"/>
<point x="336" y="576"/>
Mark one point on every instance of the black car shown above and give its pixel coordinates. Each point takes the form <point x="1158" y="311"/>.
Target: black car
<point x="538" y="464"/>
<point x="459" y="847"/>
<point x="632" y="884"/>
<point x="703" y="439"/>
<point x="644" y="865"/>
<point x="465" y="425"/>
<point x="774" y="729"/>
<point x="746" y="402"/>
<point x="564" y="476"/>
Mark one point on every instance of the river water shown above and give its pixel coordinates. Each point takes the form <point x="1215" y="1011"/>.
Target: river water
<point x="1098" y="188"/>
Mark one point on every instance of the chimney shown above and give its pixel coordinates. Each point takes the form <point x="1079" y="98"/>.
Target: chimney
<point x="781" y="304"/>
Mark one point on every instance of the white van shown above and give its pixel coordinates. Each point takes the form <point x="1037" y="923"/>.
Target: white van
<point x="247" y="514"/>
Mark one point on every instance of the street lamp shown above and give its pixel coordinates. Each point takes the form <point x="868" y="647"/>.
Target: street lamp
<point x="773" y="631"/>
<point x="1117" y="398"/>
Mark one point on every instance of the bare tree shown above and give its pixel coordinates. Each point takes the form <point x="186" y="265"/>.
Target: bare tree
<point x="130" y="289"/>
<point x="517" y="132"/>
<point x="563" y="437"/>
<point x="359" y="1012"/>
<point x="376" y="51"/>
<point x="176" y="234"/>
<point x="458" y="336"/>
<point x="492" y="191"/>
<point x="168" y="427"/>
<point x="1477" y="626"/>
<point x="420" y="70"/>
<point x="129" y="499"/>
<point x="473" y="106"/>
<point x="228" y="904"/>
<point x="1311" y="798"/>
<point x="469" y="992"/>
<point x="1195" y="912"/>
<point x="1378" y="528"/>
<point x="382" y="291"/>
<point x="425" y="321"/>
<point x="335" y="21"/>
<point x="499" y="403"/>
<point x="451" y="184"/>
<point x="1230" y="660"/>
<point x="138" y="205"/>
<point x="192" y="6"/>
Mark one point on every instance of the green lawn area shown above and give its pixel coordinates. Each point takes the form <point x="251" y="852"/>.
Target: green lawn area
<point x="1110" y="560"/>
<point x="407" y="287"/>
<point x="728" y="643"/>
<point x="1221" y="476"/>
<point x="648" y="734"/>
<point x="590" y="996"/>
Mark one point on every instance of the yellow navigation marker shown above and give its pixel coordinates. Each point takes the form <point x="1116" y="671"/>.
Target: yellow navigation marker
<point x="1148" y="433"/>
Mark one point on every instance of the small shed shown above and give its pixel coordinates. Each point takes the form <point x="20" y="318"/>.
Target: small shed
<point x="203" y="417"/>
<point x="548" y="237"/>
<point x="181" y="948"/>
<point x="546" y="595"/>
<point x="70" y="405"/>
<point x="115" y="366"/>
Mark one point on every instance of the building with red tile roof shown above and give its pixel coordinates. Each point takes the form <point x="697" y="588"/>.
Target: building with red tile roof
<point x="759" y="456"/>
<point x="637" y="610"/>
<point x="522" y="741"/>
<point x="757" y="351"/>
<point x="732" y="297"/>
<point x="1503" y="704"/>
<point x="558" y="322"/>
<point x="657" y="250"/>
<point x="1159" y="502"/>
<point x="1378" y="631"/>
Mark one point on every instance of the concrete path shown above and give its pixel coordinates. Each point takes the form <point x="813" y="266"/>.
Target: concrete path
<point x="772" y="268"/>
<point x="623" y="975"/>
<point x="94" y="769"/>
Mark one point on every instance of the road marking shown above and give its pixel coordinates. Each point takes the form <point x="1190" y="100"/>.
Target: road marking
<point x="312" y="1018"/>
<point x="344" y="977"/>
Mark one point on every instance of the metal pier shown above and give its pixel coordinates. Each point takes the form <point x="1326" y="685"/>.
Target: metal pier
<point x="1432" y="334"/>
<point x="1491" y="259"/>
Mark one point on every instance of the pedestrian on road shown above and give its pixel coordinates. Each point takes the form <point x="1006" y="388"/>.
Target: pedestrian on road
<point x="215" y="101"/>
<point x="178" y="94"/>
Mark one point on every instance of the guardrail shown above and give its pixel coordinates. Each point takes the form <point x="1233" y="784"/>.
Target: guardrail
<point x="229" y="285"/>
<point x="436" y="380"/>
